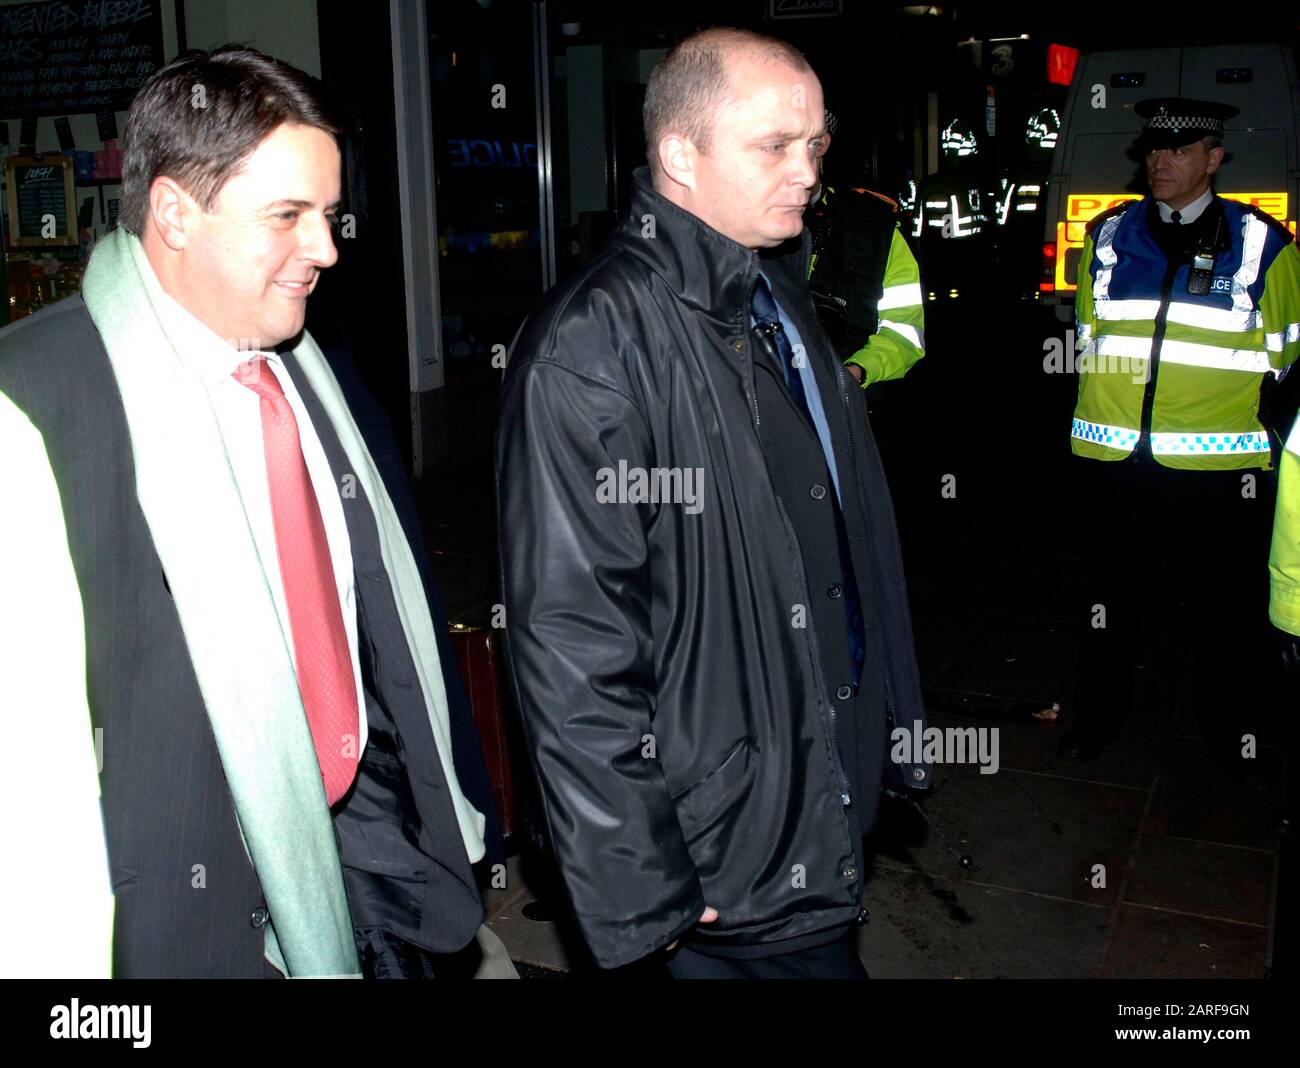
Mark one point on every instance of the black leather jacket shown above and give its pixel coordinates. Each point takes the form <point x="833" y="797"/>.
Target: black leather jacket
<point x="675" y="716"/>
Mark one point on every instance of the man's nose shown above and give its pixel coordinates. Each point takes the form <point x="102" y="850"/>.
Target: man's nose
<point x="317" y="242"/>
<point x="805" y="173"/>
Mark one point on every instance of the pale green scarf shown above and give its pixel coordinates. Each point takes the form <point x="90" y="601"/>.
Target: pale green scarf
<point x="191" y="502"/>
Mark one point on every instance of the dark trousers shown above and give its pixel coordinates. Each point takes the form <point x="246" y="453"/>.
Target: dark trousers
<point x="1179" y="557"/>
<point x="838" y="960"/>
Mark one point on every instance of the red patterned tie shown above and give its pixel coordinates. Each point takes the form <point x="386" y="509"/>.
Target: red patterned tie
<point x="320" y="643"/>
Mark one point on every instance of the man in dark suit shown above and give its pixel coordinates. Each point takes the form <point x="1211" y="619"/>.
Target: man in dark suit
<point x="260" y="665"/>
<point x="706" y="611"/>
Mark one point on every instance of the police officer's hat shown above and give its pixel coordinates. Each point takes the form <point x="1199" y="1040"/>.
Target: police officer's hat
<point x="1173" y="121"/>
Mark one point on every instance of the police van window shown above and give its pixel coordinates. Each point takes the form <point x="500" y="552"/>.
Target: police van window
<point x="1234" y="75"/>
<point x="1128" y="80"/>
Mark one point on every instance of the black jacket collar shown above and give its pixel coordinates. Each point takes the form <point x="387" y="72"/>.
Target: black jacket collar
<point x="707" y="269"/>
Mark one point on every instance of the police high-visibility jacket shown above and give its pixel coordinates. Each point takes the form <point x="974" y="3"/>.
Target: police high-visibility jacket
<point x="1284" y="559"/>
<point x="864" y="274"/>
<point x="900" y="340"/>
<point x="1179" y="373"/>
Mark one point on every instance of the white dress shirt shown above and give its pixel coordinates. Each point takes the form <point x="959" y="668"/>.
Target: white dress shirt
<point x="239" y="419"/>
<point x="1189" y="214"/>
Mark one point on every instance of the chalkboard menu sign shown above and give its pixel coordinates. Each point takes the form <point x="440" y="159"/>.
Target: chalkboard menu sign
<point x="61" y="57"/>
<point x="42" y="205"/>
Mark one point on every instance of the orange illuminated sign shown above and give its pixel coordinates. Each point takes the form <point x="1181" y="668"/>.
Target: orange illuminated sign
<point x="1087" y="206"/>
<point x="1082" y="208"/>
<point x="1273" y="204"/>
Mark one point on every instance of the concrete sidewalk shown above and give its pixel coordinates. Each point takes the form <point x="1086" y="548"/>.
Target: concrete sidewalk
<point x="1147" y="863"/>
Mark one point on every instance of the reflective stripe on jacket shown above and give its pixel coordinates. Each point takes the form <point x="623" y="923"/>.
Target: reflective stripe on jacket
<point x="900" y="341"/>
<point x="1202" y="358"/>
<point x="1284" y="559"/>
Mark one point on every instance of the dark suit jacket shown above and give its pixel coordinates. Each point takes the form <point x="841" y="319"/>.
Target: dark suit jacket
<point x="467" y="749"/>
<point x="188" y="902"/>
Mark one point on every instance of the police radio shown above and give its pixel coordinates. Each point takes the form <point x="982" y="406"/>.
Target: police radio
<point x="1201" y="276"/>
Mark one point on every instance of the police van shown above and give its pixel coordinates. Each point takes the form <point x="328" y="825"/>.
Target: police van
<point x="1094" y="166"/>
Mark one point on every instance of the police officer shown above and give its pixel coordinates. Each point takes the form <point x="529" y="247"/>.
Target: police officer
<point x="1284" y="558"/>
<point x="864" y="279"/>
<point x="1284" y="595"/>
<point x="955" y="217"/>
<point x="1187" y="308"/>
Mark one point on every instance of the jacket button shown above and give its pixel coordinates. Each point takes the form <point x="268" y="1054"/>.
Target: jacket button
<point x="844" y="693"/>
<point x="817" y="492"/>
<point x="738" y="343"/>
<point x="834" y="590"/>
<point x="259" y="917"/>
<point x="918" y="774"/>
<point x="849" y="872"/>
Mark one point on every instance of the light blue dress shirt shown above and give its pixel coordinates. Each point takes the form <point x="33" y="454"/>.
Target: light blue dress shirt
<point x="810" y="389"/>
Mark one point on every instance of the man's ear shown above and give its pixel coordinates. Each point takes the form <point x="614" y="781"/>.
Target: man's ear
<point x="677" y="159"/>
<point x="1216" y="158"/>
<point x="172" y="212"/>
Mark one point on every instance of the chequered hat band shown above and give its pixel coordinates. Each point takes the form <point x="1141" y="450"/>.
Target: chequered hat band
<point x="1212" y="127"/>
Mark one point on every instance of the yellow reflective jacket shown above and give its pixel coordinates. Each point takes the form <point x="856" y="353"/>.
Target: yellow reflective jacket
<point x="1174" y="371"/>
<point x="900" y="341"/>
<point x="1284" y="558"/>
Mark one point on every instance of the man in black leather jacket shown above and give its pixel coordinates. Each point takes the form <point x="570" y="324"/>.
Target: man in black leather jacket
<point x="706" y="616"/>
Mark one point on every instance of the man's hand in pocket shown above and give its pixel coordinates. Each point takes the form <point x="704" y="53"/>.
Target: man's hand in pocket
<point x="707" y="916"/>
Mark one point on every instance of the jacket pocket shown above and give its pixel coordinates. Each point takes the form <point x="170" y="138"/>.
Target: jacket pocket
<point x="697" y="803"/>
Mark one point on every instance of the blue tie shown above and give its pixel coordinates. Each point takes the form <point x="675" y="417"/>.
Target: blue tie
<point x="768" y="318"/>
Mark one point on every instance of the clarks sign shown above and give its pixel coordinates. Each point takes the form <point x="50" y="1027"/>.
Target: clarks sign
<point x="804" y="9"/>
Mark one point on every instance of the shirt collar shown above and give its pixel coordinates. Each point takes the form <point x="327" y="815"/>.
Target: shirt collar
<point x="1189" y="214"/>
<point x="202" y="351"/>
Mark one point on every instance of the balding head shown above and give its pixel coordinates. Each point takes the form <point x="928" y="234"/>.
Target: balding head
<point x="735" y="125"/>
<point x="691" y="84"/>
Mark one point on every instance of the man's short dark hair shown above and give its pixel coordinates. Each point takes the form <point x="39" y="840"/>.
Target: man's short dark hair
<point x="199" y="118"/>
<point x="689" y="85"/>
